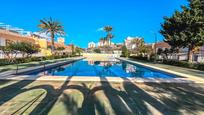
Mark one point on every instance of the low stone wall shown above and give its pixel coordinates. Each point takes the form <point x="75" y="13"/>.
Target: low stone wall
<point x="100" y="57"/>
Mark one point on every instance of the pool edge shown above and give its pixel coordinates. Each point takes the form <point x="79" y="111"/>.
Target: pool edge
<point x="182" y="75"/>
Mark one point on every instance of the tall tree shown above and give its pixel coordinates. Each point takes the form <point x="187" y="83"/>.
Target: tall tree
<point x="194" y="18"/>
<point x="79" y="51"/>
<point x="140" y="47"/>
<point x="27" y="48"/>
<point x="171" y="30"/>
<point x="125" y="51"/>
<point x="13" y="48"/>
<point x="138" y="42"/>
<point x="185" y="29"/>
<point x="51" y="27"/>
<point x="10" y="50"/>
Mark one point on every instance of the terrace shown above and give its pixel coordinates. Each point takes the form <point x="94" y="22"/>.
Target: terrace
<point x="28" y="94"/>
<point x="161" y="72"/>
<point x="126" y="98"/>
<point x="12" y="36"/>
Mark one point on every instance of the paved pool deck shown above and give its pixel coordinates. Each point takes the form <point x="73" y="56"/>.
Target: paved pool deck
<point x="100" y="98"/>
<point x="96" y="79"/>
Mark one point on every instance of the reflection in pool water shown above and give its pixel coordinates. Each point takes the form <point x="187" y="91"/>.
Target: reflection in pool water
<point x="104" y="69"/>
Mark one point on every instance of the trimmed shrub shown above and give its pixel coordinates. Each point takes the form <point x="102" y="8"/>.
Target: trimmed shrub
<point x="145" y="58"/>
<point x="97" y="50"/>
<point x="30" y="59"/>
<point x="4" y="62"/>
<point x="125" y="52"/>
<point x="198" y="66"/>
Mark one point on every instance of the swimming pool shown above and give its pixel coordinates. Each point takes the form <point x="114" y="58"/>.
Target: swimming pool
<point x="104" y="69"/>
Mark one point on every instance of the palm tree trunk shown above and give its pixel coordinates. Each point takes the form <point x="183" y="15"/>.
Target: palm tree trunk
<point x="52" y="42"/>
<point x="108" y="39"/>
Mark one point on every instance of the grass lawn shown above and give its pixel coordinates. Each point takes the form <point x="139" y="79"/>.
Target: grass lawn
<point x="30" y="64"/>
<point x="99" y="98"/>
<point x="193" y="72"/>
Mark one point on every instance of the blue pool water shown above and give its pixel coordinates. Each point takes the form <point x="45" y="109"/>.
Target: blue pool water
<point x="104" y="69"/>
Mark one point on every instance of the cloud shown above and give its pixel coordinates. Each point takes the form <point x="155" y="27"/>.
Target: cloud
<point x="41" y="34"/>
<point x="100" y="29"/>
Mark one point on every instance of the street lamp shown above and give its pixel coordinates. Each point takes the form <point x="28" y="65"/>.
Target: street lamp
<point x="155" y="48"/>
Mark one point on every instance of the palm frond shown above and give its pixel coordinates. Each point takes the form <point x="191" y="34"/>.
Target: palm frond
<point x="50" y="26"/>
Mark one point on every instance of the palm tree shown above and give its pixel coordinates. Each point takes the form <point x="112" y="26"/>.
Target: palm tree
<point x="109" y="36"/>
<point x="51" y="27"/>
<point x="139" y="45"/>
<point x="108" y="29"/>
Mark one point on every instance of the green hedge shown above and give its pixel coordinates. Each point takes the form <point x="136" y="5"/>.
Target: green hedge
<point x="198" y="66"/>
<point x="31" y="59"/>
<point x="142" y="58"/>
<point x="4" y="62"/>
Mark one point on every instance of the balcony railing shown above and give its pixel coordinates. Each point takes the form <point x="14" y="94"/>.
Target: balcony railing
<point x="14" y="36"/>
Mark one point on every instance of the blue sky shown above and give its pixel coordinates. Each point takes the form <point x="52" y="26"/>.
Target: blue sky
<point x="82" y="18"/>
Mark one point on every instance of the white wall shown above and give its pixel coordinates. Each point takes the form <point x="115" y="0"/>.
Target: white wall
<point x="2" y="42"/>
<point x="100" y="57"/>
<point x="201" y="59"/>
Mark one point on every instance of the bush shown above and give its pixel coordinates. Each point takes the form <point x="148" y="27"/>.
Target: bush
<point x="144" y="58"/>
<point x="198" y="66"/>
<point x="30" y="59"/>
<point x="97" y="50"/>
<point x="4" y="62"/>
<point x="139" y="58"/>
<point x="185" y="64"/>
<point x="125" y="52"/>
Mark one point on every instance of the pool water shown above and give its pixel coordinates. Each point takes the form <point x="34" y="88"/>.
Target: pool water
<point x="104" y="69"/>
